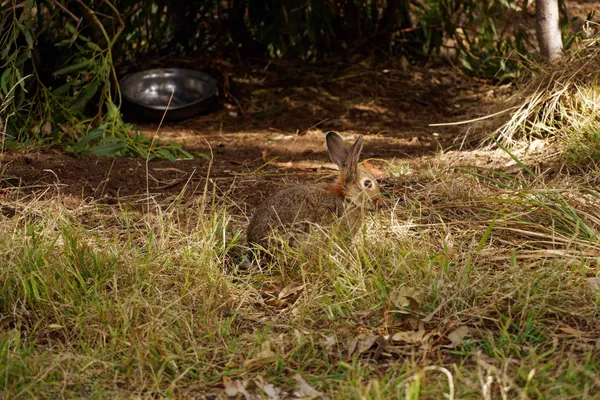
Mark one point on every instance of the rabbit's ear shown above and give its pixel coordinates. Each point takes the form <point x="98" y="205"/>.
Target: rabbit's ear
<point x="337" y="149"/>
<point x="351" y="162"/>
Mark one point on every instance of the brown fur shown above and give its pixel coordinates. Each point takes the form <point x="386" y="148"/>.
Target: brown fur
<point x="294" y="209"/>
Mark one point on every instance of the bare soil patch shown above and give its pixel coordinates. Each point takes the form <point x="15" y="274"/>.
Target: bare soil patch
<point x="270" y="129"/>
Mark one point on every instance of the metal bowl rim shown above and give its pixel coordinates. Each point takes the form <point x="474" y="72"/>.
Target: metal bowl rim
<point x="192" y="72"/>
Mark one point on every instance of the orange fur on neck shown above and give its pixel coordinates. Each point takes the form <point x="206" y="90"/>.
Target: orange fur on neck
<point x="338" y="187"/>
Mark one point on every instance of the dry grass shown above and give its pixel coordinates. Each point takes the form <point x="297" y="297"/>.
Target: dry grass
<point x="473" y="283"/>
<point x="559" y="105"/>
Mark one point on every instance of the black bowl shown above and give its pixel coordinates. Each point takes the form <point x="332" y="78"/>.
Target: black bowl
<point x="146" y="93"/>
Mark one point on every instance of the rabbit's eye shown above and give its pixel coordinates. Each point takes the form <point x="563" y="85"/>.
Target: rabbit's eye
<point x="367" y="184"/>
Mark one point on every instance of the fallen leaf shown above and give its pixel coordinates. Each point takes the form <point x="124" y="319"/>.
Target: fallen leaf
<point x="47" y="128"/>
<point x="292" y="289"/>
<point x="352" y="343"/>
<point x="456" y="337"/>
<point x="328" y="341"/>
<point x="415" y="324"/>
<point x="285" y="296"/>
<point x="268" y="389"/>
<point x="275" y="303"/>
<point x="537" y="144"/>
<point x="69" y="130"/>
<point x="304" y="390"/>
<point x="410" y="337"/>
<point x="429" y="340"/>
<point x="366" y="343"/>
<point x="271" y="391"/>
<point x="271" y="299"/>
<point x="514" y="169"/>
<point x="264" y="356"/>
<point x="362" y="343"/>
<point x="430" y="316"/>
<point x="593" y="284"/>
<point x="406" y="297"/>
<point x="234" y="388"/>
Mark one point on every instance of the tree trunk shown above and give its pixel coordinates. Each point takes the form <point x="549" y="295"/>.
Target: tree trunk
<point x="548" y="29"/>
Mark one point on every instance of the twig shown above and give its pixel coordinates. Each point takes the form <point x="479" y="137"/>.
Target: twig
<point x="406" y="383"/>
<point x="474" y="120"/>
<point x="150" y="149"/>
<point x="109" y="43"/>
<point x="92" y="14"/>
<point x="94" y="18"/>
<point x="122" y="27"/>
<point x="314" y="126"/>
<point x="114" y="40"/>
<point x="66" y="10"/>
<point x="381" y="345"/>
<point x="500" y="374"/>
<point x="358" y="75"/>
<point x="208" y="171"/>
<point x="450" y="394"/>
<point x="238" y="104"/>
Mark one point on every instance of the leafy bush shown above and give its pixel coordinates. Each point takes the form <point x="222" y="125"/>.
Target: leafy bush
<point x="490" y="37"/>
<point x="60" y="57"/>
<point x="59" y="83"/>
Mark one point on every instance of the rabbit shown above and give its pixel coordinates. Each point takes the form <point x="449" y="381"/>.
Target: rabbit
<point x="293" y="210"/>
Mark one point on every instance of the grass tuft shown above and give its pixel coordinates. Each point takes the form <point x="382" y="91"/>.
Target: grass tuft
<point x="471" y="283"/>
<point x="559" y="104"/>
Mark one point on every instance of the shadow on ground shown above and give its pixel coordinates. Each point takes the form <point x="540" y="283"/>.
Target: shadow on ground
<point x="270" y="129"/>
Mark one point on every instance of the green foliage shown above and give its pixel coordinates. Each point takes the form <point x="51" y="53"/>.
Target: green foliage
<point x="59" y="59"/>
<point x="582" y="145"/>
<point x="490" y="37"/>
<point x="60" y="86"/>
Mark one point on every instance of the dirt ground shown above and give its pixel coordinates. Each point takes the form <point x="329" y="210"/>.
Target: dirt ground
<point x="270" y="130"/>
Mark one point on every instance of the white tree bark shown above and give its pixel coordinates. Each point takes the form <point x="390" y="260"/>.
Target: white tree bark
<point x="548" y="29"/>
